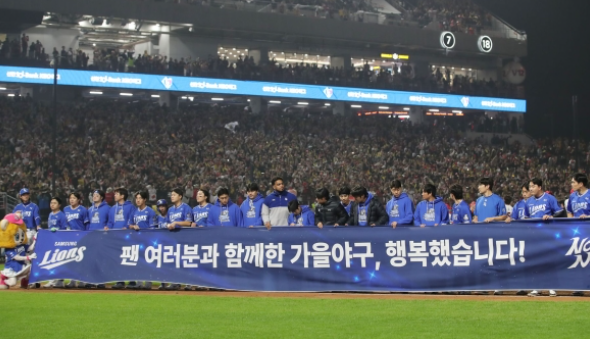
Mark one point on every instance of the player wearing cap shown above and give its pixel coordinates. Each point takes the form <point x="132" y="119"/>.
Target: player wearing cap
<point x="162" y="206"/>
<point x="29" y="210"/>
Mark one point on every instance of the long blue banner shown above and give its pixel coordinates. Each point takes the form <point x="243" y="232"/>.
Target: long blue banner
<point x="536" y="255"/>
<point x="222" y="86"/>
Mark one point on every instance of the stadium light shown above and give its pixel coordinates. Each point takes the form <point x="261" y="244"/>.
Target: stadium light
<point x="327" y="104"/>
<point x="2" y="88"/>
<point x="126" y="94"/>
<point x="383" y="107"/>
<point x="217" y="99"/>
<point x="155" y="96"/>
<point x="274" y="102"/>
<point x="406" y="108"/>
<point x="458" y="112"/>
<point x="303" y="103"/>
<point x="356" y="106"/>
<point x="433" y="110"/>
<point x="184" y="98"/>
<point x="10" y="95"/>
<point x="95" y="92"/>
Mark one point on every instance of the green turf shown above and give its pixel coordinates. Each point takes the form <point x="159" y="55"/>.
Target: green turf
<point x="144" y="315"/>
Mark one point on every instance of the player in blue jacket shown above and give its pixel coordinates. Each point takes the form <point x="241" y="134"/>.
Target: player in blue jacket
<point x="121" y="212"/>
<point x="400" y="208"/>
<point x="578" y="205"/>
<point x="201" y="211"/>
<point x="224" y="212"/>
<point x="541" y="204"/>
<point x="460" y="213"/>
<point x="29" y="210"/>
<point x="76" y="214"/>
<point x="344" y="194"/>
<point x="519" y="209"/>
<point x="489" y="207"/>
<point x="431" y="211"/>
<point x="98" y="213"/>
<point x="301" y="215"/>
<point x="252" y="207"/>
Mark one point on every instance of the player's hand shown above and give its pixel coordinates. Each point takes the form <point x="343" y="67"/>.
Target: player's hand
<point x="423" y="225"/>
<point x="508" y="220"/>
<point x="267" y="225"/>
<point x="292" y="224"/>
<point x="584" y="216"/>
<point x="394" y="224"/>
<point x="320" y="225"/>
<point x="32" y="256"/>
<point x="250" y="226"/>
<point x="435" y="225"/>
<point x="106" y="228"/>
<point x="336" y="225"/>
<point x="193" y="225"/>
<point x="547" y="217"/>
<point x="171" y="226"/>
<point x="489" y="220"/>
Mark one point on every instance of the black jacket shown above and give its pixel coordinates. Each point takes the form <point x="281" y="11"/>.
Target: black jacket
<point x="375" y="214"/>
<point x="330" y="213"/>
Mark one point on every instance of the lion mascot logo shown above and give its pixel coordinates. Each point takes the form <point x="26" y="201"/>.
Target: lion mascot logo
<point x="19" y="245"/>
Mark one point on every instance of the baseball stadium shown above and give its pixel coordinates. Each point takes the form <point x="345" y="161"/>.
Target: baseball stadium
<point x="294" y="169"/>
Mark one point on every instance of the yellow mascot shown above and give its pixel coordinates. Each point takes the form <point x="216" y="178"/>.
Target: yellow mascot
<point x="19" y="247"/>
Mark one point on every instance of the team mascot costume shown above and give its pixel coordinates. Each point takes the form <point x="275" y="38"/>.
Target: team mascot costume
<point x="19" y="247"/>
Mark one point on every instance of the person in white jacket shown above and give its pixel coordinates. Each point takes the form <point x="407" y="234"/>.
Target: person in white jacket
<point x="275" y="210"/>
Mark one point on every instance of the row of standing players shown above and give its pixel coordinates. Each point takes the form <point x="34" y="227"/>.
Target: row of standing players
<point x="281" y="208"/>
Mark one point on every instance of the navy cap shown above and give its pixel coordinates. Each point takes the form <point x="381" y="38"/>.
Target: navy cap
<point x="24" y="191"/>
<point x="162" y="202"/>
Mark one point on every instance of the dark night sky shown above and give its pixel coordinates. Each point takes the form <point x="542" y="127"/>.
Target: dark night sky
<point x="558" y="62"/>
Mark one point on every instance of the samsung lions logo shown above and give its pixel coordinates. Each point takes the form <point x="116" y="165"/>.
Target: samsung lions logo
<point x="465" y="101"/>
<point x="167" y="82"/>
<point x="62" y="257"/>
<point x="578" y="249"/>
<point x="328" y="92"/>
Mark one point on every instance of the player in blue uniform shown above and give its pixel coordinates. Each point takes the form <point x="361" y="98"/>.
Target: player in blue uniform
<point x="301" y="215"/>
<point x="77" y="220"/>
<point x="578" y="205"/>
<point x="162" y="206"/>
<point x="142" y="218"/>
<point x="519" y="209"/>
<point x="121" y="212"/>
<point x="489" y="207"/>
<point x="29" y="210"/>
<point x="400" y="208"/>
<point x="179" y="215"/>
<point x="344" y="194"/>
<point x="201" y="211"/>
<point x="224" y="213"/>
<point x="460" y="213"/>
<point x="431" y="211"/>
<point x="98" y="213"/>
<point x="541" y="204"/>
<point x="56" y="222"/>
<point x="252" y="207"/>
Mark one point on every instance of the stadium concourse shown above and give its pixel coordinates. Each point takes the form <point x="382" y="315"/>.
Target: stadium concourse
<point x="403" y="77"/>
<point x="106" y="144"/>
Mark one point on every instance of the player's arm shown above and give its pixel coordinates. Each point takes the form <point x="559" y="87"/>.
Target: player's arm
<point x="265" y="215"/>
<point x="37" y="218"/>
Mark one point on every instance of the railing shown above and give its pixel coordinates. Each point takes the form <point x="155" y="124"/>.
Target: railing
<point x="7" y="203"/>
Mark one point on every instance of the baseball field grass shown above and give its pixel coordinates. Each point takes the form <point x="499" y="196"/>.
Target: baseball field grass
<point x="144" y="315"/>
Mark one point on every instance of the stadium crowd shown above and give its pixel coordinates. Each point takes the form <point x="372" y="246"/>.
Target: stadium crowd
<point x="451" y="15"/>
<point x="401" y="77"/>
<point x="108" y="144"/>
